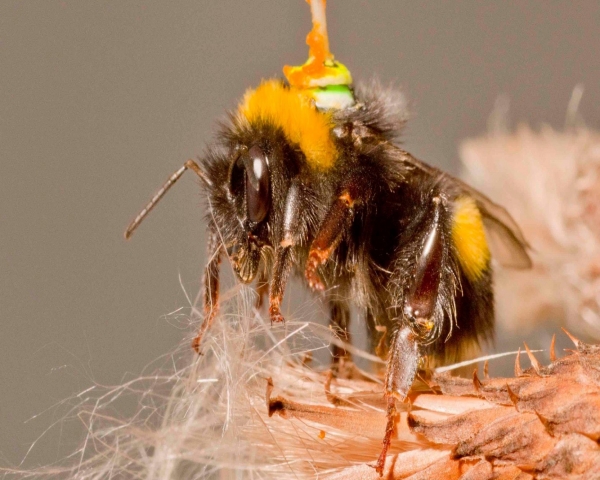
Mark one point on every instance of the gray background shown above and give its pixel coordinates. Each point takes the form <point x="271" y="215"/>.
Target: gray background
<point x="100" y="101"/>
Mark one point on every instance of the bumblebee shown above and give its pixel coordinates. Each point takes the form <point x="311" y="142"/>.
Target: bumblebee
<point x="306" y="179"/>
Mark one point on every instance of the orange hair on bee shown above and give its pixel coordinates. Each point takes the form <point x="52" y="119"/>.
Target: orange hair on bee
<point x="296" y="115"/>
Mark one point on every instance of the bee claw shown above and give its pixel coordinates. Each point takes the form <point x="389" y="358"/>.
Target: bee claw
<point x="315" y="258"/>
<point x="276" y="316"/>
<point x="314" y="282"/>
<point x="196" y="345"/>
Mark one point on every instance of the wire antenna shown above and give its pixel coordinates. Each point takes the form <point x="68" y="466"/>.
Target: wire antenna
<point x="191" y="165"/>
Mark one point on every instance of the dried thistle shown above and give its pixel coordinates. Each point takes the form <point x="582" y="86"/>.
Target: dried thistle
<point x="550" y="182"/>
<point x="253" y="408"/>
<point x="543" y="423"/>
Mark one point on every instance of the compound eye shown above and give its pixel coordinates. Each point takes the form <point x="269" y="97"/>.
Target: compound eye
<point x="237" y="175"/>
<point x="258" y="195"/>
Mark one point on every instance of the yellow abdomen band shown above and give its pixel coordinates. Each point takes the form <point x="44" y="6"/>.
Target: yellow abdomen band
<point x="468" y="236"/>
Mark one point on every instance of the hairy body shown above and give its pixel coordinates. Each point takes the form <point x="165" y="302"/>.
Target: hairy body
<point x="330" y="196"/>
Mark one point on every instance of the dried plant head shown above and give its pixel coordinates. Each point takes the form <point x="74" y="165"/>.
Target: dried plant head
<point x="251" y="407"/>
<point x="549" y="181"/>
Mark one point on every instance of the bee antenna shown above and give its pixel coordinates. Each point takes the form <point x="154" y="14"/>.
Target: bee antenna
<point x="191" y="165"/>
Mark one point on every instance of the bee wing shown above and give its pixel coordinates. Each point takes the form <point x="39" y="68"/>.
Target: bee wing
<point x="505" y="239"/>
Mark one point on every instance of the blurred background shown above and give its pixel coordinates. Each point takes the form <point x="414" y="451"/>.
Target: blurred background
<point x="101" y="101"/>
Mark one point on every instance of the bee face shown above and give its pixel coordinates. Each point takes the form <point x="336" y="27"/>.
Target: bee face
<point x="248" y="190"/>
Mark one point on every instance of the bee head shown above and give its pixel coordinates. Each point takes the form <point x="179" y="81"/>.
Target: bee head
<point x="249" y="184"/>
<point x="278" y="129"/>
<point x="276" y="132"/>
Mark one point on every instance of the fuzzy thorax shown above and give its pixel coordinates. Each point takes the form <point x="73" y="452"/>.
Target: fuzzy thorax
<point x="292" y="111"/>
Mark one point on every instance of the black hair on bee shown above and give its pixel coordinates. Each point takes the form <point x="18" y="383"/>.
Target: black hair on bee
<point x="324" y="193"/>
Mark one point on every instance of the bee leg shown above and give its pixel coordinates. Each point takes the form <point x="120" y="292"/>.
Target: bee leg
<point x="401" y="371"/>
<point x="283" y="251"/>
<point x="422" y="296"/>
<point x="211" y="287"/>
<point x="402" y="364"/>
<point x="336" y="221"/>
<point x="340" y="321"/>
<point x="419" y="322"/>
<point x="281" y="271"/>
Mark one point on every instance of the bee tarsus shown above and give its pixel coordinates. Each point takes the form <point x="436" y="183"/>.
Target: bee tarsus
<point x="390" y="428"/>
<point x="211" y="288"/>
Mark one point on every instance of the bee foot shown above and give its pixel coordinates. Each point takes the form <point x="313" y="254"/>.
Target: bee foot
<point x="315" y="258"/>
<point x="196" y="345"/>
<point x="314" y="282"/>
<point x="276" y="316"/>
<point x="392" y="419"/>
